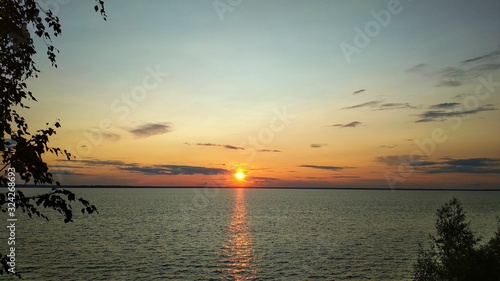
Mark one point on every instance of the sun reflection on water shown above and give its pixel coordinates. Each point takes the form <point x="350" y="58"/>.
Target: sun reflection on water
<point x="238" y="250"/>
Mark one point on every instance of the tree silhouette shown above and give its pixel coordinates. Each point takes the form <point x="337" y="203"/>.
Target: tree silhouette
<point x="454" y="253"/>
<point x="22" y="151"/>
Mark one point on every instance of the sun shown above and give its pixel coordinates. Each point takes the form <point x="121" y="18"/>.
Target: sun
<point x="240" y="176"/>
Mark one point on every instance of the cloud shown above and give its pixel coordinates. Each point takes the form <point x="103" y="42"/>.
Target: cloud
<point x="445" y="105"/>
<point x="492" y="55"/>
<point x="419" y="68"/>
<point x="151" y="129"/>
<point x="387" y="106"/>
<point x="173" y="170"/>
<point x="97" y="133"/>
<point x="444" y="165"/>
<point x="470" y="68"/>
<point x="486" y="67"/>
<point x="366" y="104"/>
<point x="378" y="105"/>
<point x="345" y="177"/>
<point x="348" y="125"/>
<point x="96" y="162"/>
<point x="358" y="91"/>
<point x="148" y="169"/>
<point x="226" y="146"/>
<point x="330" y="168"/>
<point x="396" y="160"/>
<point x="464" y="73"/>
<point x="466" y="165"/>
<point x="111" y="136"/>
<point x="269" y="150"/>
<point x="388" y="146"/>
<point x="318" y="145"/>
<point x="452" y="77"/>
<point x="441" y="115"/>
<point x="263" y="179"/>
<point x="65" y="172"/>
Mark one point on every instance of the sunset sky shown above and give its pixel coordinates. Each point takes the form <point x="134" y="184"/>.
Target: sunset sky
<point x="385" y="94"/>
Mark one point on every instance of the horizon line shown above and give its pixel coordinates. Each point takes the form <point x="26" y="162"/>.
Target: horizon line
<point x="260" y="187"/>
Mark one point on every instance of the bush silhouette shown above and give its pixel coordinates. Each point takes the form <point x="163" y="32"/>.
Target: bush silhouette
<point x="454" y="253"/>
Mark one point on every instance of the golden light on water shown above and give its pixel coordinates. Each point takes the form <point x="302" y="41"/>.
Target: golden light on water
<point x="238" y="252"/>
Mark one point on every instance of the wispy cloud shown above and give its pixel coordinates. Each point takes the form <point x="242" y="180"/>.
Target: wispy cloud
<point x="161" y="169"/>
<point x="65" y="172"/>
<point x="226" y="146"/>
<point x="464" y="73"/>
<point x="441" y="115"/>
<point x="396" y="160"/>
<point x="263" y="179"/>
<point x="98" y="133"/>
<point x="446" y="105"/>
<point x="466" y="165"/>
<point x="348" y="125"/>
<point x="419" y="68"/>
<point x="378" y="105"/>
<point x="111" y="136"/>
<point x="358" y="92"/>
<point x="96" y="162"/>
<point x="151" y="129"/>
<point x="452" y="77"/>
<point x="330" y="168"/>
<point x="388" y="146"/>
<point x="173" y="170"/>
<point x="486" y="67"/>
<point x="388" y="106"/>
<point x="318" y="145"/>
<point x="444" y="165"/>
<point x="366" y="104"/>
<point x="269" y="150"/>
<point x="492" y="55"/>
<point x="345" y="177"/>
<point x="470" y="69"/>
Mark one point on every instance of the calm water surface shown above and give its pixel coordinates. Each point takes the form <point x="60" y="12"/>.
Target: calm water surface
<point x="240" y="234"/>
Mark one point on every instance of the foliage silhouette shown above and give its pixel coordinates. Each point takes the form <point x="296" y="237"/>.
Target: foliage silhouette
<point x="454" y="253"/>
<point x="22" y="151"/>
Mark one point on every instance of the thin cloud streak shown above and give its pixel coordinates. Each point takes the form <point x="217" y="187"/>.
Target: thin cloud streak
<point x="440" y="115"/>
<point x="226" y="146"/>
<point x="443" y="165"/>
<point x="151" y="129"/>
<point x="366" y="104"/>
<point x="348" y="125"/>
<point x="318" y="145"/>
<point x="320" y="167"/>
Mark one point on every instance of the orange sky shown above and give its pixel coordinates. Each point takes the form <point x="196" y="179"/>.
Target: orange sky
<point x="177" y="93"/>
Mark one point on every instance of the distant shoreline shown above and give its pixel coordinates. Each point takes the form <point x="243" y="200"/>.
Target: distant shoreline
<point x="266" y="187"/>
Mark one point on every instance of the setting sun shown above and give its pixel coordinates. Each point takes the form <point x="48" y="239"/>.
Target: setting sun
<point x="240" y="176"/>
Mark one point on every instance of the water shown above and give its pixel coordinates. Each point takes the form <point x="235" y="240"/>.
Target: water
<point x="240" y="234"/>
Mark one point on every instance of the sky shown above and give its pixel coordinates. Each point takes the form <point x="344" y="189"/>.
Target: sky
<point x="371" y="94"/>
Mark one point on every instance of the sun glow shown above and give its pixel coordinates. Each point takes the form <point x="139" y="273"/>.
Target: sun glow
<point x="240" y="176"/>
